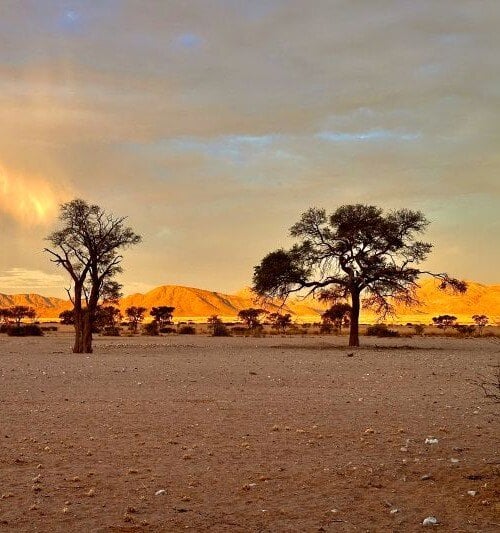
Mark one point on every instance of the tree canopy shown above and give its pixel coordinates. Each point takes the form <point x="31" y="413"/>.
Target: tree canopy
<point x="358" y="249"/>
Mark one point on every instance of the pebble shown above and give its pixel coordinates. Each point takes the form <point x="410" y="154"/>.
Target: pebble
<point x="471" y="492"/>
<point x="430" y="521"/>
<point x="431" y="440"/>
<point x="160" y="492"/>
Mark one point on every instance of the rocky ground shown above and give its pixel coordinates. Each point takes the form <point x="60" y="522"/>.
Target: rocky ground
<point x="241" y="435"/>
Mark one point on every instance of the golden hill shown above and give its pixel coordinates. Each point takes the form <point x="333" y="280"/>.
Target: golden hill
<point x="198" y="303"/>
<point x="45" y="306"/>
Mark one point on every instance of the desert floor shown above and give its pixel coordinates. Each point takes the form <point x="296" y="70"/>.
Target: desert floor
<point x="237" y="434"/>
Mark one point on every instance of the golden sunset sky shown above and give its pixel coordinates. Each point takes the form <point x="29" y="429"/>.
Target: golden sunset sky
<point x="213" y="124"/>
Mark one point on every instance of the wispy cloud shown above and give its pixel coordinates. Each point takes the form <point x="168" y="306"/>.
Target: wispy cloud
<point x="24" y="280"/>
<point x="369" y="135"/>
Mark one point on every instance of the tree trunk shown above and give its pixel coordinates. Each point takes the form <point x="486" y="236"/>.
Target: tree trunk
<point x="83" y="324"/>
<point x="78" y="345"/>
<point x="354" y="327"/>
<point x="87" y="333"/>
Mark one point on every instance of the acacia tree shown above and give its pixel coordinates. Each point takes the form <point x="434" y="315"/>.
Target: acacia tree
<point x="107" y="316"/>
<point x="357" y="250"/>
<point x="280" y="322"/>
<point x="251" y="317"/>
<point x="67" y="317"/>
<point x="163" y="315"/>
<point x="444" y="321"/>
<point x="18" y="312"/>
<point x="88" y="247"/>
<point x="481" y="321"/>
<point x="135" y="316"/>
<point x="337" y="315"/>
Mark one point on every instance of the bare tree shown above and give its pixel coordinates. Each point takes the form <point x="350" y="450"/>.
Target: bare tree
<point x="87" y="247"/>
<point x="357" y="250"/>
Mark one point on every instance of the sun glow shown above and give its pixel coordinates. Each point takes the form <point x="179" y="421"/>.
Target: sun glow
<point x="30" y="200"/>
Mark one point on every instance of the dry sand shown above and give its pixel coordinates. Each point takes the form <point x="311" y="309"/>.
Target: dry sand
<point x="273" y="434"/>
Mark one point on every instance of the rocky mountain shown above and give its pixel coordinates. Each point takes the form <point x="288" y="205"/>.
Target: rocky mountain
<point x="196" y="303"/>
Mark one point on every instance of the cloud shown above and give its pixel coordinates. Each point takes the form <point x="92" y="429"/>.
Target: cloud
<point x="19" y="279"/>
<point x="215" y="123"/>
<point x="30" y="200"/>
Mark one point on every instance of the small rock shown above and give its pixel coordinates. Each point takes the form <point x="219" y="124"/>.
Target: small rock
<point x="369" y="430"/>
<point x="430" y="521"/>
<point x="91" y="493"/>
<point x="454" y="460"/>
<point x="431" y="440"/>
<point x="425" y="477"/>
<point x="471" y="492"/>
<point x="394" y="511"/>
<point x="160" y="492"/>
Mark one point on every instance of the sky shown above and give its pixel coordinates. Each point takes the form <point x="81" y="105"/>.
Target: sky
<point x="213" y="124"/>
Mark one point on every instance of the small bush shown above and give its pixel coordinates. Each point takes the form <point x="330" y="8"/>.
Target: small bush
<point x="326" y="328"/>
<point x="187" y="330"/>
<point x="29" y="330"/>
<point x="419" y="329"/>
<point x="151" y="329"/>
<point x="381" y="330"/>
<point x="239" y="330"/>
<point x="49" y="328"/>
<point x="220" y="330"/>
<point x="111" y="331"/>
<point x="168" y="330"/>
<point x="465" y="331"/>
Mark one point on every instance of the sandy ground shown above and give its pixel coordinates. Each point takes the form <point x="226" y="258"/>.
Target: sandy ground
<point x="241" y="435"/>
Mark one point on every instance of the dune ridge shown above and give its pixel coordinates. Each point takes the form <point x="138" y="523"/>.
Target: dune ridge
<point x="195" y="303"/>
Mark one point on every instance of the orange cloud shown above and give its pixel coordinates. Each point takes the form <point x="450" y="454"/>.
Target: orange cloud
<point x="30" y="200"/>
